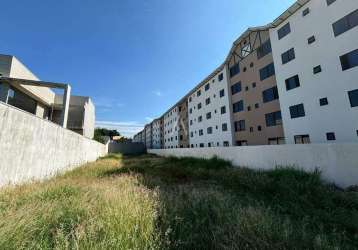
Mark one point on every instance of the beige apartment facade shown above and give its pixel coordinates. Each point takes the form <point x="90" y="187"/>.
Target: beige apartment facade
<point x="255" y="106"/>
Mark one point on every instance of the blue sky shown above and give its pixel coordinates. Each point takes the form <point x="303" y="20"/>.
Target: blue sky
<point x="135" y="58"/>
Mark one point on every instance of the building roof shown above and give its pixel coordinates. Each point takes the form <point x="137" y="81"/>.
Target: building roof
<point x="289" y="12"/>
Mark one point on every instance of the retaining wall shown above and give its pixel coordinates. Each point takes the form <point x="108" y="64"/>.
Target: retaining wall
<point x="33" y="148"/>
<point x="337" y="162"/>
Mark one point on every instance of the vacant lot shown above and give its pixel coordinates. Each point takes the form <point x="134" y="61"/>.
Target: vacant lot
<point x="148" y="202"/>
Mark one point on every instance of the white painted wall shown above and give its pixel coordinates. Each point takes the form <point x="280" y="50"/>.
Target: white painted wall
<point x="33" y="148"/>
<point x="217" y="119"/>
<point x="171" y="128"/>
<point x="337" y="162"/>
<point x="338" y="117"/>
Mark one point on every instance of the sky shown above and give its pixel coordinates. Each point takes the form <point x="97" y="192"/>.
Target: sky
<point x="134" y="58"/>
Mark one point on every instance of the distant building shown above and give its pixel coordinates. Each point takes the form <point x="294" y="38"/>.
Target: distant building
<point x="20" y="88"/>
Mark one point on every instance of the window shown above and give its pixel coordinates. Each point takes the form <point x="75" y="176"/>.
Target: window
<point x="221" y="77"/>
<point x="200" y="119"/>
<point x="223" y="109"/>
<point x="207" y="101"/>
<point x="245" y="69"/>
<point x="198" y="93"/>
<point x="305" y="12"/>
<point x="239" y="125"/>
<point x="297" y="111"/>
<point x="273" y="119"/>
<point x="207" y="87"/>
<point x="222" y="93"/>
<point x="254" y="85"/>
<point x="199" y="105"/>
<point x="323" y="101"/>
<point x="329" y="2"/>
<point x="201" y="145"/>
<point x="191" y="134"/>
<point x="311" y="39"/>
<point x="191" y="122"/>
<point x="251" y="65"/>
<point x="276" y="141"/>
<point x="224" y="127"/>
<point x="251" y="129"/>
<point x="263" y="50"/>
<point x="284" y="31"/>
<point x="288" y="56"/>
<point x="349" y="60"/>
<point x="189" y="99"/>
<point x="234" y="70"/>
<point x="248" y="108"/>
<point x="259" y="128"/>
<point x="226" y="144"/>
<point x="236" y="88"/>
<point x="292" y="82"/>
<point x="353" y="98"/>
<point x="346" y="23"/>
<point x="208" y="115"/>
<point x="302" y="139"/>
<point x="247" y="88"/>
<point x="270" y="94"/>
<point x="257" y="105"/>
<point x="317" y="69"/>
<point x="201" y="132"/>
<point x="267" y="71"/>
<point x="331" y="136"/>
<point x="238" y="106"/>
<point x="209" y="130"/>
<point x="241" y="143"/>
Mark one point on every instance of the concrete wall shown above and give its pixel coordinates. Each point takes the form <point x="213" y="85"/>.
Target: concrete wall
<point x="126" y="148"/>
<point x="338" y="162"/>
<point x="33" y="148"/>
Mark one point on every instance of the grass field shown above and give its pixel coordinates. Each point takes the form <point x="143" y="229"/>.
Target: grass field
<point x="146" y="202"/>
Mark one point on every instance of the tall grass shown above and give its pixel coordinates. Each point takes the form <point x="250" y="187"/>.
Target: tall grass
<point x="146" y="202"/>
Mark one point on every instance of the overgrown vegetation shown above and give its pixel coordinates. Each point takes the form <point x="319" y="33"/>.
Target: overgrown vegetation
<point x="148" y="202"/>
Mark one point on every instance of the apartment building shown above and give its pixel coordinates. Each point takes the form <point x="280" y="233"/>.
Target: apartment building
<point x="157" y="132"/>
<point x="209" y="112"/>
<point x="291" y="81"/>
<point x="315" y="50"/>
<point x="183" y="124"/>
<point x="171" y="131"/>
<point x="148" y="135"/>
<point x="255" y="106"/>
<point x="20" y="88"/>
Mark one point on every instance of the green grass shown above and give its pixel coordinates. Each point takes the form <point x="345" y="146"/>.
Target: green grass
<point x="147" y="202"/>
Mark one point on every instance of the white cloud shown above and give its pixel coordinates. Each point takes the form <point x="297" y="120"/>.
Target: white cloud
<point x="107" y="103"/>
<point x="158" y="93"/>
<point x="127" y="129"/>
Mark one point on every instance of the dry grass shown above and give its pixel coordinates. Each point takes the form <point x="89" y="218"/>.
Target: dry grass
<point x="146" y="202"/>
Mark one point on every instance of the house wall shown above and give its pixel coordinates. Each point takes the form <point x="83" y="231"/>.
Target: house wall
<point x="338" y="116"/>
<point x="218" y="136"/>
<point x="33" y="149"/>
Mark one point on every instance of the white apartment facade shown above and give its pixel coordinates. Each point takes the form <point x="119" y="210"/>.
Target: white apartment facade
<point x="315" y="55"/>
<point x="170" y="127"/>
<point x="157" y="133"/>
<point x="148" y="135"/>
<point x="209" y="112"/>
